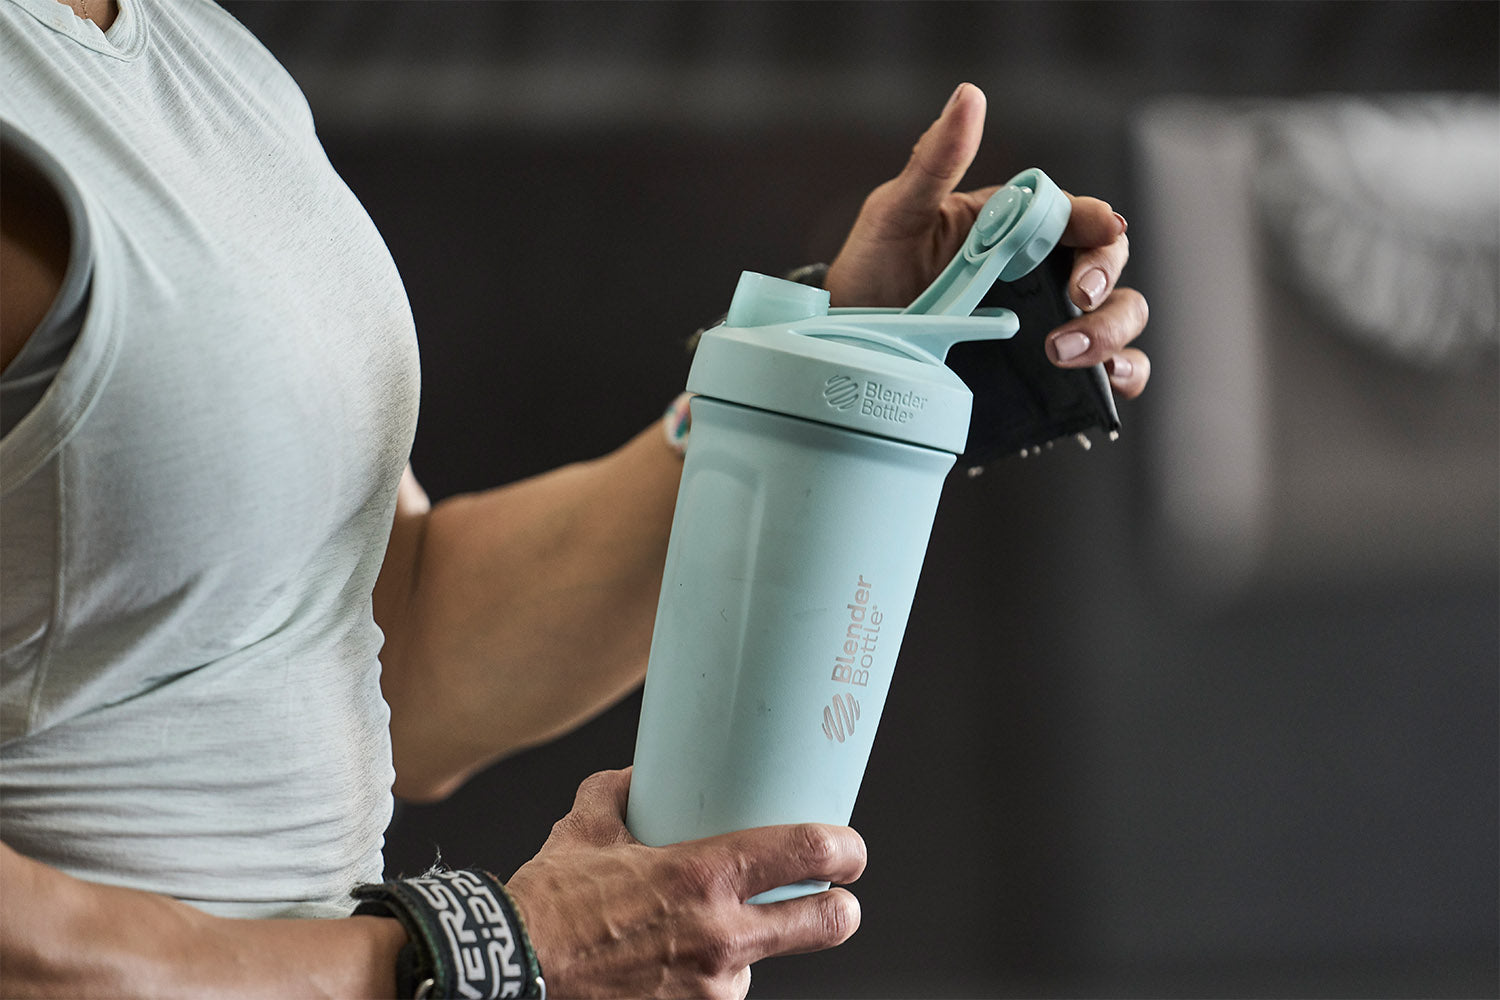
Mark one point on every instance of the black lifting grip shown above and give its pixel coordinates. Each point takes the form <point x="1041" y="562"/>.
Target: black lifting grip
<point x="1022" y="401"/>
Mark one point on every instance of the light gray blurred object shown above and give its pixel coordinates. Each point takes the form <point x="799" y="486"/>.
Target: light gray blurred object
<point x="1323" y="276"/>
<point x="1389" y="216"/>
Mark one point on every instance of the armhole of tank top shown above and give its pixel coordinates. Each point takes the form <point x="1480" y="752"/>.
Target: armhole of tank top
<point x="73" y="347"/>
<point x="33" y="368"/>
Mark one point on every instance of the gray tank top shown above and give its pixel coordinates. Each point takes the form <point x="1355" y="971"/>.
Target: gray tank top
<point x="197" y="475"/>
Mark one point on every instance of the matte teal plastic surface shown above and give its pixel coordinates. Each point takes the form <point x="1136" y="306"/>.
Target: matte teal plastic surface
<point x="867" y="372"/>
<point x="760" y="300"/>
<point x="786" y="594"/>
<point x="821" y="439"/>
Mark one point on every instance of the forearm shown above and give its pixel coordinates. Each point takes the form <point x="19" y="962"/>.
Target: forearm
<point x="524" y="610"/>
<point x="63" y="937"/>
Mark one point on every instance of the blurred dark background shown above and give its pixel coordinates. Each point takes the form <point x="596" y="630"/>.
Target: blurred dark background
<point x="1208" y="711"/>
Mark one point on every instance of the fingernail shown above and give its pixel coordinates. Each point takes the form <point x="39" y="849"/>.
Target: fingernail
<point x="1121" y="220"/>
<point x="954" y="99"/>
<point x="1092" y="285"/>
<point x="1067" y="346"/>
<point x="1120" y="367"/>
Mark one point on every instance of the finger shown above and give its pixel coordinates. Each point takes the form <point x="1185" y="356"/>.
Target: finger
<point x="1128" y="372"/>
<point x="942" y="155"/>
<point x="770" y="856"/>
<point x="1095" y="272"/>
<point x="1097" y="336"/>
<point x="811" y="923"/>
<point x="605" y="791"/>
<point x="1092" y="223"/>
<point x="598" y="813"/>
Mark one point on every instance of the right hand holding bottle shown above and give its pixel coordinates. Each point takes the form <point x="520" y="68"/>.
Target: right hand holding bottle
<point x="610" y="916"/>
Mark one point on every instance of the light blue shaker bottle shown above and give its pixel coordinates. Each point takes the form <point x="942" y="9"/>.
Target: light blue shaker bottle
<point x="820" y="442"/>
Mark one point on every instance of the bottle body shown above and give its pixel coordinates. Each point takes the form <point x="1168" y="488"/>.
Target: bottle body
<point x="794" y="557"/>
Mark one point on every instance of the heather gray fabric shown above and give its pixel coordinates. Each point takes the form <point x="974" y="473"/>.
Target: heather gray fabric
<point x="194" y="510"/>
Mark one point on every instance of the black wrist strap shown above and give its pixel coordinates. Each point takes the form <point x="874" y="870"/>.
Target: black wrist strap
<point x="466" y="937"/>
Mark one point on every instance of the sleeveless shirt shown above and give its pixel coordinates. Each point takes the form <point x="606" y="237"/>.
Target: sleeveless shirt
<point x="195" y="504"/>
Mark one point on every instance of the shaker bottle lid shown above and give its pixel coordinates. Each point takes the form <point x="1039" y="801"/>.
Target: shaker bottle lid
<point x="880" y="371"/>
<point x="859" y="371"/>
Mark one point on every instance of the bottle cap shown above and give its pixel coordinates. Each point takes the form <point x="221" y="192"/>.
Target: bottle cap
<point x="1013" y="233"/>
<point x="880" y="371"/>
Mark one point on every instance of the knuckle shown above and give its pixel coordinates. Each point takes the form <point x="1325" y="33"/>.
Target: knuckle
<point x="721" y="955"/>
<point x="1119" y="325"/>
<point x="816" y="846"/>
<point x="1108" y="333"/>
<point x="880" y="200"/>
<point x="1111" y="257"/>
<point x="703" y="877"/>
<point x="573" y="827"/>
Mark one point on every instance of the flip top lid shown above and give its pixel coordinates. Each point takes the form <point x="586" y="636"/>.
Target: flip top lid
<point x="880" y="371"/>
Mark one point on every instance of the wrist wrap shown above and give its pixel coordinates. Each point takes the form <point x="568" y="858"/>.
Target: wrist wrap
<point x="466" y="937"/>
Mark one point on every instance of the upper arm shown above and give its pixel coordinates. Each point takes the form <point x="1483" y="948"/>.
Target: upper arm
<point x="34" y="241"/>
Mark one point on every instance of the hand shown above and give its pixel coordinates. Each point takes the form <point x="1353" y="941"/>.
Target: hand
<point x="910" y="228"/>
<point x="612" y="917"/>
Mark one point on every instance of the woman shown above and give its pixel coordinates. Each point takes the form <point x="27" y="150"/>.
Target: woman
<point x="231" y="620"/>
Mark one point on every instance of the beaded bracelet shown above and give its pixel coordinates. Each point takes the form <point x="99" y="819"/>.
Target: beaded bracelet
<point x="677" y="423"/>
<point x="465" y="936"/>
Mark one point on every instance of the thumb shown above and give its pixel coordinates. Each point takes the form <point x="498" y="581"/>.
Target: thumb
<point x="943" y="154"/>
<point x="598" y="813"/>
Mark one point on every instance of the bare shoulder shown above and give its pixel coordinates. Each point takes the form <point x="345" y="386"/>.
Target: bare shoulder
<point x="33" y="251"/>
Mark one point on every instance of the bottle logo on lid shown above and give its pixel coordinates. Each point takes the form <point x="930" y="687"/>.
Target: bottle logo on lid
<point x="883" y="402"/>
<point x="841" y="392"/>
<point x="891" y="404"/>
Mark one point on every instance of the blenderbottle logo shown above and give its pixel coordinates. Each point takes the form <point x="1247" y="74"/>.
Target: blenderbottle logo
<point x="839" y="717"/>
<point x="841" y="392"/>
<point x="853" y="660"/>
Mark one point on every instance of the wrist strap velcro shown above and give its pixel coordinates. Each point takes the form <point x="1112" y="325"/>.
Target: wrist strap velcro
<point x="466" y="937"/>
